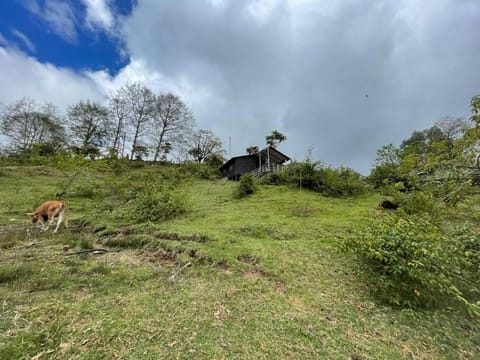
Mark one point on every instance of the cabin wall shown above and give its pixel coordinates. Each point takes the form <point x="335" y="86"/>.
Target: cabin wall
<point x="240" y="166"/>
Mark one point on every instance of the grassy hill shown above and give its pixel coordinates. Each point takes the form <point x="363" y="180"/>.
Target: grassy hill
<point x="258" y="277"/>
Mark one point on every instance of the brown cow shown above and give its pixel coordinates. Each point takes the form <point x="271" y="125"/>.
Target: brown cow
<point x="48" y="211"/>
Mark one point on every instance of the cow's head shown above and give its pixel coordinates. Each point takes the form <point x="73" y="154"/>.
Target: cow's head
<point x="35" y="216"/>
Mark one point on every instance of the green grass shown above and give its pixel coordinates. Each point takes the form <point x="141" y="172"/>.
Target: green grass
<point x="265" y="280"/>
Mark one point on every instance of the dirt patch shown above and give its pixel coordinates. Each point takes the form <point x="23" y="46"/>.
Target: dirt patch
<point x="161" y="257"/>
<point x="248" y="259"/>
<point x="223" y="266"/>
<point x="253" y="275"/>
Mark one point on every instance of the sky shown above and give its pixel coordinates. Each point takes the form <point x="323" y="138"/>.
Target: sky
<point x="339" y="78"/>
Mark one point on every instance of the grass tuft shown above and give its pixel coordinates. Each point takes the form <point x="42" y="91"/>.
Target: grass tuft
<point x="15" y="272"/>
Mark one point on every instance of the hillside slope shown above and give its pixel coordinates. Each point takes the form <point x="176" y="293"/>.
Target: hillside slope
<point x="259" y="277"/>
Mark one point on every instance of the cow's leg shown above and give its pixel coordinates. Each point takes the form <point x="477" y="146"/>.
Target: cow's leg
<point x="59" y="221"/>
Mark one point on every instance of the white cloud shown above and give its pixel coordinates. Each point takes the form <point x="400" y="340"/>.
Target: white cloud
<point x="303" y="67"/>
<point x="24" y="76"/>
<point x="298" y="66"/>
<point x="25" y="40"/>
<point x="99" y="14"/>
<point x="58" y="14"/>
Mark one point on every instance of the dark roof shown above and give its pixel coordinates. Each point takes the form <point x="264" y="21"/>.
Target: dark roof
<point x="274" y="154"/>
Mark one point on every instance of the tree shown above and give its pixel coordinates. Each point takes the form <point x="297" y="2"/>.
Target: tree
<point x="139" y="152"/>
<point x="89" y="126"/>
<point x="166" y="149"/>
<point x="452" y="127"/>
<point x="214" y="160"/>
<point x="204" y="143"/>
<point x="251" y="150"/>
<point x="475" y="109"/>
<point x="275" y="138"/>
<point x="139" y="107"/>
<point x="442" y="160"/>
<point x="171" y="118"/>
<point x="119" y="113"/>
<point x="472" y="135"/>
<point x="26" y="123"/>
<point x="388" y="155"/>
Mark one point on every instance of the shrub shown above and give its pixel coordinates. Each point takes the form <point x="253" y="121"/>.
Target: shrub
<point x="246" y="186"/>
<point x="341" y="182"/>
<point x="158" y="202"/>
<point x="410" y="262"/>
<point x="202" y="171"/>
<point x="418" y="203"/>
<point x="465" y="250"/>
<point x="317" y="177"/>
<point x="87" y="190"/>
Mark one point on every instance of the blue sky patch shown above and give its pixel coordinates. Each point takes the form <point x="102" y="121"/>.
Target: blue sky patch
<point x="57" y="32"/>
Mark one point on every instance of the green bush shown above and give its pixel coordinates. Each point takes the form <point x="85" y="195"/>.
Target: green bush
<point x="246" y="185"/>
<point x="465" y="247"/>
<point x="317" y="177"/>
<point x="341" y="182"/>
<point x="418" y="203"/>
<point x="201" y="171"/>
<point x="158" y="202"/>
<point x="410" y="262"/>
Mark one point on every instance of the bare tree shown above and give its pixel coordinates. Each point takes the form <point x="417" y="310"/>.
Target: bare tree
<point x="26" y="123"/>
<point x="89" y="125"/>
<point x="139" y="106"/>
<point x="141" y="101"/>
<point x="119" y="113"/>
<point x="452" y="127"/>
<point x="171" y="118"/>
<point x="204" y="143"/>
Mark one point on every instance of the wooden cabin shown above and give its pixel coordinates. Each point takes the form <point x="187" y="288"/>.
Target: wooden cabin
<point x="266" y="160"/>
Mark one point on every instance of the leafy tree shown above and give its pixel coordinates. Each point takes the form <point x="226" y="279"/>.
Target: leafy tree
<point x="472" y="135"/>
<point x="275" y="138"/>
<point x="26" y="123"/>
<point x="252" y="150"/>
<point x="204" y="143"/>
<point x="89" y="126"/>
<point x="475" y="109"/>
<point x="171" y="118"/>
<point x="215" y="160"/>
<point x="388" y="155"/>
<point x="442" y="160"/>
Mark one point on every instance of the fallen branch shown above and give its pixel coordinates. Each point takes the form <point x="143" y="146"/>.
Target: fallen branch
<point x="172" y="277"/>
<point x="93" y="251"/>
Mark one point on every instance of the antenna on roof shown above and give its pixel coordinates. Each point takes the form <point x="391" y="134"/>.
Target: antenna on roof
<point x="230" y="147"/>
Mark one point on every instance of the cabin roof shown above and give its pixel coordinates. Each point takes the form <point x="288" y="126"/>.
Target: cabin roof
<point x="275" y="155"/>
